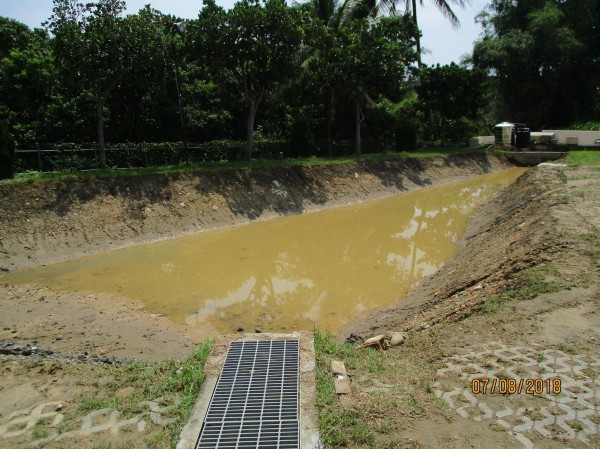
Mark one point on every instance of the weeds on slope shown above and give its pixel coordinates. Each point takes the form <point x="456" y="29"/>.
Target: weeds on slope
<point x="533" y="282"/>
<point x="389" y="390"/>
<point x="125" y="388"/>
<point x="36" y="176"/>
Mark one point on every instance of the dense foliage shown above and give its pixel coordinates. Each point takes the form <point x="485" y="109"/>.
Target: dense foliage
<point x="544" y="60"/>
<point x="317" y="78"/>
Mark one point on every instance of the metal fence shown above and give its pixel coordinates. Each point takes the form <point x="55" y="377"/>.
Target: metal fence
<point x="72" y="157"/>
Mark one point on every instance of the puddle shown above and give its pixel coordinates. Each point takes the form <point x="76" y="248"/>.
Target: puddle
<point x="318" y="269"/>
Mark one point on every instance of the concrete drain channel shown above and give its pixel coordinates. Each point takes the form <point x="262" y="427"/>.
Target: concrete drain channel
<point x="252" y="398"/>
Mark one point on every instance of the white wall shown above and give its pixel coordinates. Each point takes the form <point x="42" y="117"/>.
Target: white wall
<point x="586" y="138"/>
<point x="481" y="140"/>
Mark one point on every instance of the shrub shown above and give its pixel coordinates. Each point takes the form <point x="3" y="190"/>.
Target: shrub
<point x="302" y="140"/>
<point x="585" y="126"/>
<point x="7" y="152"/>
<point x="406" y="135"/>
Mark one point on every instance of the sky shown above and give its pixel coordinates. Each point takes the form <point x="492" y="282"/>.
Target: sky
<point x="442" y="43"/>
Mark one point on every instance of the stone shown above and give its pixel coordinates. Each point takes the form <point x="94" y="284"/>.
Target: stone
<point x="397" y="338"/>
<point x="342" y="384"/>
<point x="338" y="367"/>
<point x="353" y="338"/>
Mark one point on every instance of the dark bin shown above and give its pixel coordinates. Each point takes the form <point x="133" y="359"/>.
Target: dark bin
<point x="523" y="138"/>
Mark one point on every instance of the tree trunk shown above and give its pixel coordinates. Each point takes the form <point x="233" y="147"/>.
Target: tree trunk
<point x="329" y="120"/>
<point x="102" y="149"/>
<point x="100" y="116"/>
<point x="443" y="132"/>
<point x="357" y="150"/>
<point x="414" y="13"/>
<point x="250" y="129"/>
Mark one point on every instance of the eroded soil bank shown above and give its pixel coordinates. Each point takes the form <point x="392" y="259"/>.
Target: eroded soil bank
<point x="52" y="221"/>
<point x="45" y="222"/>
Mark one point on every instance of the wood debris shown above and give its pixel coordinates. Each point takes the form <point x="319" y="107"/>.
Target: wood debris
<point x="378" y="341"/>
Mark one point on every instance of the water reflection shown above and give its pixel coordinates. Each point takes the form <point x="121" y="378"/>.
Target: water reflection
<point x="322" y="268"/>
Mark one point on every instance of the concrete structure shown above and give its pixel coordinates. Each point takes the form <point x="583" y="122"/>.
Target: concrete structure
<point x="576" y="138"/>
<point x="531" y="158"/>
<point x="309" y="428"/>
<point x="481" y="140"/>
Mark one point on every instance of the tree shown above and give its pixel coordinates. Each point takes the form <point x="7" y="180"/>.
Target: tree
<point x="145" y="78"/>
<point x="450" y="92"/>
<point x="256" y="42"/>
<point x="332" y="16"/>
<point x="98" y="50"/>
<point x="442" y="5"/>
<point x="27" y="82"/>
<point x="544" y="58"/>
<point x="89" y="45"/>
<point x="376" y="60"/>
<point x="13" y="36"/>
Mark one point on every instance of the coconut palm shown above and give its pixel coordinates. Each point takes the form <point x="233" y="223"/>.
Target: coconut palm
<point x="411" y="5"/>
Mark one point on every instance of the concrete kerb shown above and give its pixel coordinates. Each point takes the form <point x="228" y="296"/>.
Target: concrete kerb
<point x="309" y="430"/>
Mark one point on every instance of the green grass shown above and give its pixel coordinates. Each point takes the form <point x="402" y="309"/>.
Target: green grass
<point x="533" y="283"/>
<point x="579" y="158"/>
<point x="176" y="382"/>
<point x="39" y="434"/>
<point x="35" y="176"/>
<point x="342" y="426"/>
<point x="593" y="249"/>
<point x="390" y="390"/>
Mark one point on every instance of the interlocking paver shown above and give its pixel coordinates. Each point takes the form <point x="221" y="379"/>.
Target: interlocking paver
<point x="21" y="422"/>
<point x="574" y="413"/>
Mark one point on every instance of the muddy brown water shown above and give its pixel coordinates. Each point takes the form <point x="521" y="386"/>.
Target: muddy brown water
<point x="318" y="269"/>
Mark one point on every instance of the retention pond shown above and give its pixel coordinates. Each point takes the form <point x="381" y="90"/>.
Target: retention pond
<point x="318" y="269"/>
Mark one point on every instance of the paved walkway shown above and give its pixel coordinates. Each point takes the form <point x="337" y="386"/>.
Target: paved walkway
<point x="564" y="405"/>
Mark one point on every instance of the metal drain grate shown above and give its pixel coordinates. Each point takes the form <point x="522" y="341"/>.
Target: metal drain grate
<point x="255" y="402"/>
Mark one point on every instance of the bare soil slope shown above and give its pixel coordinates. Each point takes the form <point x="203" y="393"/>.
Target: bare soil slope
<point x="49" y="221"/>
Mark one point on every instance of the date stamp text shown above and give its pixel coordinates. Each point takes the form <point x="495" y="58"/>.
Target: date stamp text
<point x="483" y="385"/>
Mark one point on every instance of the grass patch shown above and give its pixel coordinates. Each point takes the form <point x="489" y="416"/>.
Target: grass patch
<point x="579" y="158"/>
<point x="389" y="390"/>
<point x="533" y="283"/>
<point x="38" y="434"/>
<point x="35" y="176"/>
<point x="124" y="387"/>
<point x="593" y="249"/>
<point x="564" y="347"/>
<point x="339" y="425"/>
<point x="89" y="404"/>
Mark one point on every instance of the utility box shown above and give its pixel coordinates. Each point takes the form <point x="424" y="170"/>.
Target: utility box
<point x="505" y="134"/>
<point x="522" y="138"/>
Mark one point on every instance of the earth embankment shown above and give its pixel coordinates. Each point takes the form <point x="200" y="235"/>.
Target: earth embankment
<point x="49" y="221"/>
<point x="505" y="253"/>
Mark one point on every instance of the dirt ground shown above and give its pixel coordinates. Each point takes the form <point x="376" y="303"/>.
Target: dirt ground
<point x="520" y="300"/>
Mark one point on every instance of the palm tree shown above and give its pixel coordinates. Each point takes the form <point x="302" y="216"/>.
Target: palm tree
<point x="442" y="5"/>
<point x="334" y="14"/>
